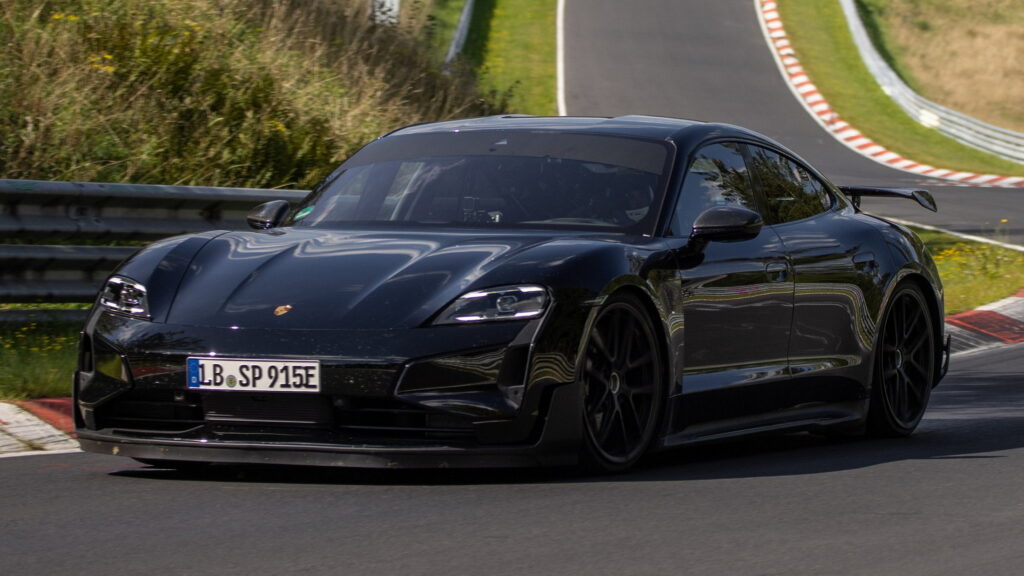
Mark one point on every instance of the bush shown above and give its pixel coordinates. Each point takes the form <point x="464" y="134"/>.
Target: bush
<point x="254" y="93"/>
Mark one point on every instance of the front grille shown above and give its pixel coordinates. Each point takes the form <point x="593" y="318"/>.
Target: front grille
<point x="389" y="418"/>
<point x="154" y="410"/>
<point x="273" y="408"/>
<point x="282" y="416"/>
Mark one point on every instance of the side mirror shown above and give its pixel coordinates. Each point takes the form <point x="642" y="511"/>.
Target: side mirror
<point x="726" y="224"/>
<point x="267" y="215"/>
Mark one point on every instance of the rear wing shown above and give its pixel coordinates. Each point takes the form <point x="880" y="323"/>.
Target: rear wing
<point x="922" y="197"/>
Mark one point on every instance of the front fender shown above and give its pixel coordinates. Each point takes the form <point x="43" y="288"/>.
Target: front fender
<point x="161" y="266"/>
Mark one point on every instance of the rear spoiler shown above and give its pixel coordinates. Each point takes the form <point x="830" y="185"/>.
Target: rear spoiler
<point x="923" y="197"/>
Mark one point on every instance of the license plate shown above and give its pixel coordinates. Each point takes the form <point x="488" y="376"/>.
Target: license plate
<point x="244" y="375"/>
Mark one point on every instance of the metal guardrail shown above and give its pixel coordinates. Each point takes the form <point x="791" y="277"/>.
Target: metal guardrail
<point x="37" y="214"/>
<point x="461" y="33"/>
<point x="969" y="131"/>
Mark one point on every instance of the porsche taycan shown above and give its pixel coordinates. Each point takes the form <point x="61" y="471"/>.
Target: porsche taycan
<point x="520" y="291"/>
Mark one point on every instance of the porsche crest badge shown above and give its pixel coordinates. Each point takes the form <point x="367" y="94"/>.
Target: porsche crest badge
<point x="282" y="310"/>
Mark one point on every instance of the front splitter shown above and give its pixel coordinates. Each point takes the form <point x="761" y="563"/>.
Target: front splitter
<point x="326" y="455"/>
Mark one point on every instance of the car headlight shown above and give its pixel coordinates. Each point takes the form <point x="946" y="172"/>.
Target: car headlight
<point x="501" y="303"/>
<point x="124" y="295"/>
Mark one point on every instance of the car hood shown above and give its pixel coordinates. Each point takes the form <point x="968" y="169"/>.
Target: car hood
<point x="309" y="279"/>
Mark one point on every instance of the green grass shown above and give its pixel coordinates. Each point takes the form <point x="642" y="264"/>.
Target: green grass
<point x="43" y="307"/>
<point x="823" y="44"/>
<point x="37" y="360"/>
<point x="511" y="44"/>
<point x="973" y="273"/>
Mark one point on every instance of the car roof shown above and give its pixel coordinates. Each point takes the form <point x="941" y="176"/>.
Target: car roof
<point x="653" y="127"/>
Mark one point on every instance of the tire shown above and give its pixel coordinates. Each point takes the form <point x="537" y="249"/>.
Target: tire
<point x="622" y="383"/>
<point x="905" y="365"/>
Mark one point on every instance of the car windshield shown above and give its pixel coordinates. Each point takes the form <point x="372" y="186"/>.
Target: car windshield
<point x="525" y="179"/>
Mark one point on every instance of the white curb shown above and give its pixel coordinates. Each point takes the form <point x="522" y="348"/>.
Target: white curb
<point x="20" y="431"/>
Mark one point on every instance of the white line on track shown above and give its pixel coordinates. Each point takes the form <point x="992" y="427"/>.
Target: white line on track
<point x="971" y="237"/>
<point x="560" y="42"/>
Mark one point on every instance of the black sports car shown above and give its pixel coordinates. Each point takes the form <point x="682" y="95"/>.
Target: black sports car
<point x="520" y="291"/>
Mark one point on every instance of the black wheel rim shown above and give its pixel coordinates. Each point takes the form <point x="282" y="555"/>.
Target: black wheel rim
<point x="620" y="384"/>
<point x="908" y="359"/>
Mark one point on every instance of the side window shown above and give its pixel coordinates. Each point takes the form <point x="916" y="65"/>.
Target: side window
<point x="791" y="192"/>
<point x="717" y="176"/>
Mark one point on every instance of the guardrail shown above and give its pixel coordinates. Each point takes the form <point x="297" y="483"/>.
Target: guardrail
<point x="39" y="214"/>
<point x="461" y="33"/>
<point x="969" y="131"/>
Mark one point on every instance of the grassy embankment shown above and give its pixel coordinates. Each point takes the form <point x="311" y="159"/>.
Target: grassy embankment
<point x="943" y="49"/>
<point x="511" y="45"/>
<point x="823" y="43"/>
<point x="36" y="360"/>
<point x="973" y="273"/>
<point x="255" y="93"/>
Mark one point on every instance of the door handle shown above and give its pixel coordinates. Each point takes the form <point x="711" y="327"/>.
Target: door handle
<point x="776" y="271"/>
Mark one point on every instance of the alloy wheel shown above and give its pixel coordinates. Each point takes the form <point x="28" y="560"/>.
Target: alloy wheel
<point x="622" y="385"/>
<point x="906" y="365"/>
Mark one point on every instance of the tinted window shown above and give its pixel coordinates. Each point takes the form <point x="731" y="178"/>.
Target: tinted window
<point x="790" y="191"/>
<point x="717" y="176"/>
<point x="496" y="179"/>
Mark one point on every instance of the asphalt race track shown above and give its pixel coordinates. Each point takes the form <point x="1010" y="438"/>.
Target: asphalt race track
<point x="709" y="61"/>
<point x="946" y="501"/>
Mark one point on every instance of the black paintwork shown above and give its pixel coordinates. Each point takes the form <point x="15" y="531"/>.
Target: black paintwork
<point x="764" y="326"/>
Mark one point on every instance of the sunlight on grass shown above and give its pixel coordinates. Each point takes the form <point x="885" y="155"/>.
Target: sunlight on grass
<point x="512" y="45"/>
<point x="973" y="273"/>
<point x="946" y="49"/>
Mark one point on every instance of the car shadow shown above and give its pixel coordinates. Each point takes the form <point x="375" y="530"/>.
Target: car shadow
<point x="977" y="416"/>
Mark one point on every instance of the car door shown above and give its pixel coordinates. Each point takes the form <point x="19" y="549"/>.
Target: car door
<point x="736" y="303"/>
<point x="834" y="267"/>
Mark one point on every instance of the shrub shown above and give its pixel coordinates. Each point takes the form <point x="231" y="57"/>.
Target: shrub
<point x="254" y="93"/>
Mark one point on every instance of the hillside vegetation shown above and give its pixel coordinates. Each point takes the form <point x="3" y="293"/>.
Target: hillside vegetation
<point x="257" y="93"/>
<point x="964" y="54"/>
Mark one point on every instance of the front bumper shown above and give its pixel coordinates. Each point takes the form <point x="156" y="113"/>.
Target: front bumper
<point x="557" y="445"/>
<point x="387" y="399"/>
